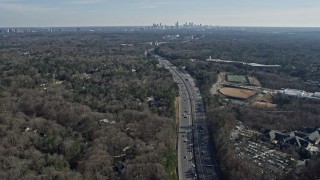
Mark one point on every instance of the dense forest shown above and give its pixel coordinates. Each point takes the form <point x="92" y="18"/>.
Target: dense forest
<point x="85" y="106"/>
<point x="297" y="52"/>
<point x="94" y="106"/>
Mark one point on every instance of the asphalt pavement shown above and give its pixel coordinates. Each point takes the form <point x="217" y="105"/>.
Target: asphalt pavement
<point x="195" y="158"/>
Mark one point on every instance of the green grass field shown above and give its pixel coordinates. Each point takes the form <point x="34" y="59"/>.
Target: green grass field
<point x="237" y="79"/>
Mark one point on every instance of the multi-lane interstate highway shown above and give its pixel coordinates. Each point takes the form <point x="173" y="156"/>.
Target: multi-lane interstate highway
<point x="195" y="158"/>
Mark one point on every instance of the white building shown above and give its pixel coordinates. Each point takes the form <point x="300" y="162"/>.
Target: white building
<point x="316" y="94"/>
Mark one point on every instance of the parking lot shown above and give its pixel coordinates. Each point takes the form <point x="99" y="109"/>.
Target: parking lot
<point x="263" y="158"/>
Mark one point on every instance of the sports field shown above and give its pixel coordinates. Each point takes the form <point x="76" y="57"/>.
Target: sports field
<point x="237" y="93"/>
<point x="237" y="79"/>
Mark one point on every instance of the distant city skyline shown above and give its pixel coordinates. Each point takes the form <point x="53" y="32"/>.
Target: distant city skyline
<point x="49" y="13"/>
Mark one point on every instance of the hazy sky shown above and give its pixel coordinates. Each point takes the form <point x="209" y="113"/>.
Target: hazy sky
<point x="145" y="12"/>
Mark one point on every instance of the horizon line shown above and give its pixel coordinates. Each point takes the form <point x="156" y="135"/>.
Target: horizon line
<point x="88" y="26"/>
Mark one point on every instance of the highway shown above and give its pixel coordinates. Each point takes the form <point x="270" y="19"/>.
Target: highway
<point x="195" y="158"/>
